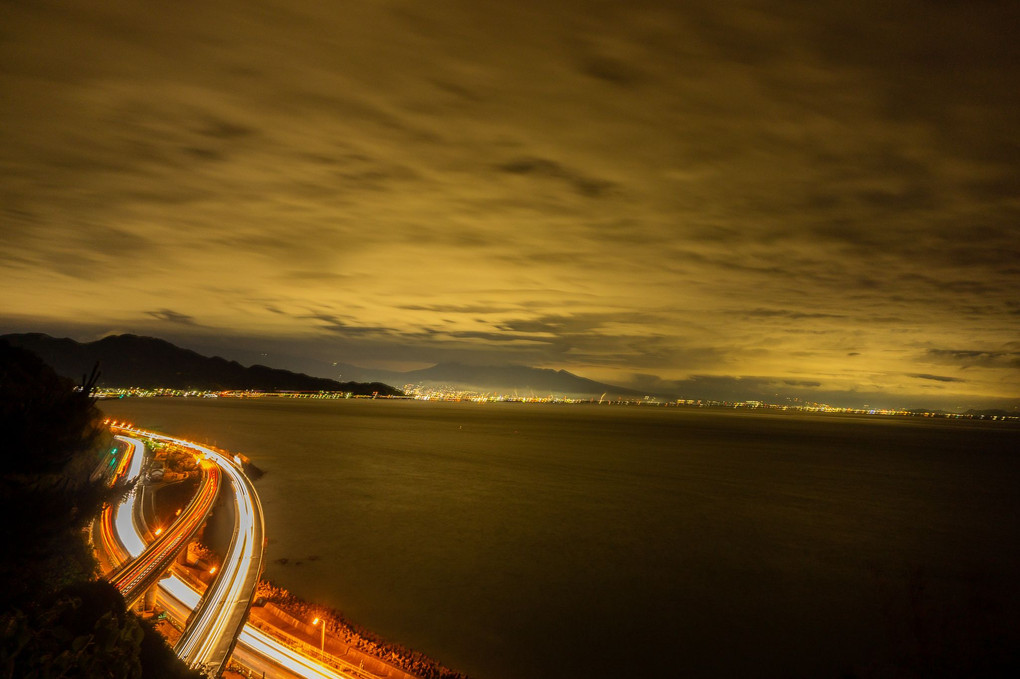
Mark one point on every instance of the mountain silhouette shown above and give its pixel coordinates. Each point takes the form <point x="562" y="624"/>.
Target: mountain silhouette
<point x="507" y="379"/>
<point x="148" y="362"/>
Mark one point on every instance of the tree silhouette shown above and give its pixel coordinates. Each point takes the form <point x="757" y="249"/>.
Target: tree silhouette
<point x="56" y="618"/>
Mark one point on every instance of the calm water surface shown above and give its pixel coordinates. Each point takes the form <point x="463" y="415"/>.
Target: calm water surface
<point x="517" y="541"/>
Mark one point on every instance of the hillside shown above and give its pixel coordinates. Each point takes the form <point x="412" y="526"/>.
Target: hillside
<point x="507" y="379"/>
<point x="58" y="619"/>
<point x="134" y="361"/>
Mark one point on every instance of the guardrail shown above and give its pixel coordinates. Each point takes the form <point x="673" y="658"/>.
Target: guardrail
<point x="312" y="651"/>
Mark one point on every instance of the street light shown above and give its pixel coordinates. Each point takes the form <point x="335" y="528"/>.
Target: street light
<point x="322" y="648"/>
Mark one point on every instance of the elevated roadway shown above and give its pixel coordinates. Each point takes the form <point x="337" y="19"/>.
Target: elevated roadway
<point x="123" y="539"/>
<point x="219" y="617"/>
<point x="145" y="570"/>
<point x="129" y="469"/>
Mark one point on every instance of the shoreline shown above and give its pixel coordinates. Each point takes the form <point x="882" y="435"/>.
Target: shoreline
<point x="357" y="642"/>
<point x="799" y="407"/>
<point x="288" y="617"/>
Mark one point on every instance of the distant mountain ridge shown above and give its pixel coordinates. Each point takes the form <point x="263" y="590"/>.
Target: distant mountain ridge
<point x="503" y="379"/>
<point x="148" y="362"/>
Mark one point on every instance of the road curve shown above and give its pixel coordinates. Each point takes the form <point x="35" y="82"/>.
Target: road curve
<point x="215" y="625"/>
<point x="131" y="466"/>
<point x="123" y="539"/>
<point x="141" y="573"/>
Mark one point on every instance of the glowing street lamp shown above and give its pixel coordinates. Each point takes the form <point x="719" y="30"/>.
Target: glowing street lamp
<point x="322" y="648"/>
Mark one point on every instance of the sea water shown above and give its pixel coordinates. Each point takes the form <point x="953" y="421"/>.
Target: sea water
<point x="529" y="540"/>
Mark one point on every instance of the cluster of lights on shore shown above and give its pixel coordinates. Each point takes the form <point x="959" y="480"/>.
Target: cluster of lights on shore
<point x="420" y="392"/>
<point x="146" y="392"/>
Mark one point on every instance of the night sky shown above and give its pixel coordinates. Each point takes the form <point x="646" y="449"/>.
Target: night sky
<point x="820" y="197"/>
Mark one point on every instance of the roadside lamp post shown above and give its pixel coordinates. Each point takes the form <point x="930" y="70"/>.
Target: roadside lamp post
<point x="322" y="647"/>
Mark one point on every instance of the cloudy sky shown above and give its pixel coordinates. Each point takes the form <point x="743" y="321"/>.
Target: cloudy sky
<point x="820" y="196"/>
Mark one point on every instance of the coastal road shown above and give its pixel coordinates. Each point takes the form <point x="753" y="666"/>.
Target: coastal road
<point x="178" y="611"/>
<point x="213" y="630"/>
<point x="129" y="468"/>
<point x="255" y="649"/>
<point x="220" y="616"/>
<point x="145" y="570"/>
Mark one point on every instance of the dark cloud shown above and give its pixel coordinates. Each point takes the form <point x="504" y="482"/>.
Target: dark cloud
<point x="976" y="358"/>
<point x="936" y="378"/>
<point x="318" y="276"/>
<point x="342" y="327"/>
<point x="589" y="187"/>
<point x="576" y="323"/>
<point x="171" y="316"/>
<point x="500" y="337"/>
<point x="613" y="71"/>
<point x="203" y="153"/>
<point x="224" y="129"/>
<point x="787" y="313"/>
<point x="457" y="308"/>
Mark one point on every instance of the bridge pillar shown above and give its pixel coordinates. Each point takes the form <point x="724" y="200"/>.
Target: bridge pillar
<point x="184" y="556"/>
<point x="147" y="602"/>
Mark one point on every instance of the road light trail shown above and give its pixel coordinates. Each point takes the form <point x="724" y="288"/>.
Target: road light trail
<point x="134" y="578"/>
<point x="134" y="458"/>
<point x="124" y="541"/>
<point x="121" y="533"/>
<point x="212" y="632"/>
<point x="179" y="599"/>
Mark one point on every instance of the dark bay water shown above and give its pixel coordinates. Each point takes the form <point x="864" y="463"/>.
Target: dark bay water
<point x="519" y="541"/>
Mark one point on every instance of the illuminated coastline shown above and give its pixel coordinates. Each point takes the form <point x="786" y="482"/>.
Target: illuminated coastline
<point x="452" y="394"/>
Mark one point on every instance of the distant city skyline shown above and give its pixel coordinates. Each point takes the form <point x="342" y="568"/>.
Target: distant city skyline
<point x="817" y="201"/>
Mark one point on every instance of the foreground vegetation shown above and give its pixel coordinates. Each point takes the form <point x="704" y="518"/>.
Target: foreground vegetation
<point x="57" y="618"/>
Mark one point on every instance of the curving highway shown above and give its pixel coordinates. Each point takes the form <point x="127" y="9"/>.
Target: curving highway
<point x="143" y="571"/>
<point x="213" y="628"/>
<point x="117" y="529"/>
<point x="124" y="539"/>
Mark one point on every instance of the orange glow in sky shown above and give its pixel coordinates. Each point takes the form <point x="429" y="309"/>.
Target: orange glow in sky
<point x="651" y="194"/>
